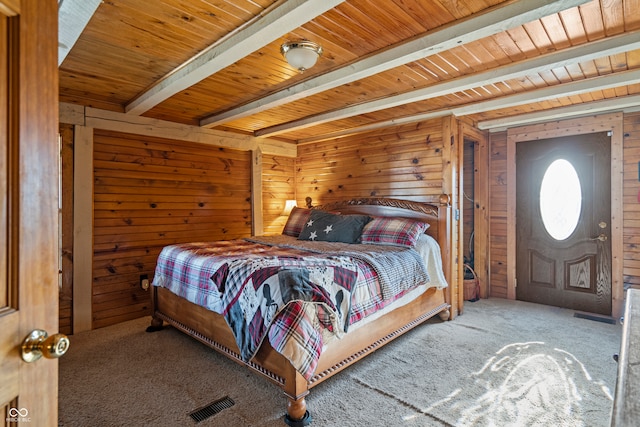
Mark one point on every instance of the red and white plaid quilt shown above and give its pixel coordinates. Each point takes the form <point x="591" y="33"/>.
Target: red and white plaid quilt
<point x="298" y="295"/>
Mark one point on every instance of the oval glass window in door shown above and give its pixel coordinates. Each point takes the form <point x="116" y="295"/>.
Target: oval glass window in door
<point x="560" y="199"/>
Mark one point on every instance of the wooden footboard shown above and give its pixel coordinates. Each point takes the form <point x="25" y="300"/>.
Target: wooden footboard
<point x="211" y="329"/>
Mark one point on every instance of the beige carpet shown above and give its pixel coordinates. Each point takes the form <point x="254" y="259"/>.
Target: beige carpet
<point x="502" y="363"/>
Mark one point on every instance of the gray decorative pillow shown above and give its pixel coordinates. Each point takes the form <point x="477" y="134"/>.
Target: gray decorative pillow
<point x="328" y="227"/>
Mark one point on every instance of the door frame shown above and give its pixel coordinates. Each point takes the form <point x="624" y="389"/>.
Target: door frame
<point x="600" y="123"/>
<point x="480" y="198"/>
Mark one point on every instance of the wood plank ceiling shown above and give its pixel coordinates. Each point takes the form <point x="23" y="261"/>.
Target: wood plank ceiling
<point x="217" y="63"/>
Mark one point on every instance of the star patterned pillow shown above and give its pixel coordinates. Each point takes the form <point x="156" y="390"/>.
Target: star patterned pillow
<point x="328" y="227"/>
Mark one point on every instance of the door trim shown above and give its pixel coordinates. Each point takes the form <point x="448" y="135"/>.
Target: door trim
<point x="82" y="229"/>
<point x="580" y="126"/>
<point x="480" y="197"/>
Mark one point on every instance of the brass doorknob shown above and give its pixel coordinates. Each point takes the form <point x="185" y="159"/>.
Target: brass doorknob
<point x="38" y="343"/>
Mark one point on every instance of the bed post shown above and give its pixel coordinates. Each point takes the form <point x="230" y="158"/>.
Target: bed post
<point x="156" y="322"/>
<point x="444" y="239"/>
<point x="296" y="392"/>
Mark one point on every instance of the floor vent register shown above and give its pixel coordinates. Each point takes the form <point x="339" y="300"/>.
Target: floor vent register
<point x="211" y="409"/>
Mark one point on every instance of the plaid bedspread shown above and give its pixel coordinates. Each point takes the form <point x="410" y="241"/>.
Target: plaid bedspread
<point x="297" y="295"/>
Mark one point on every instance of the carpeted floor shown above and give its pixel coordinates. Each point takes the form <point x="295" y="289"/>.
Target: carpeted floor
<point x="502" y="363"/>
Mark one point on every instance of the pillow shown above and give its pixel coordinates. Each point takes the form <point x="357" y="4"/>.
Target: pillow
<point x="328" y="227"/>
<point x="297" y="218"/>
<point x="393" y="231"/>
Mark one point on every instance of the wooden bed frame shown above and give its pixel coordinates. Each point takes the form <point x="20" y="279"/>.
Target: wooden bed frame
<point x="211" y="328"/>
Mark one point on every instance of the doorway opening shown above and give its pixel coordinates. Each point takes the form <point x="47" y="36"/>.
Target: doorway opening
<point x="468" y="192"/>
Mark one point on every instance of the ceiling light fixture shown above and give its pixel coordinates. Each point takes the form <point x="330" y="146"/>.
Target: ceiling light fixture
<point x="301" y="54"/>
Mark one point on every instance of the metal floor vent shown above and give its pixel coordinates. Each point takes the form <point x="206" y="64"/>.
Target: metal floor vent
<point x="211" y="409"/>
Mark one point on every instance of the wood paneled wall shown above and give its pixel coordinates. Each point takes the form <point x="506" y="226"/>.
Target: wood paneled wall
<point x="631" y="190"/>
<point x="278" y="185"/>
<point x="151" y="192"/>
<point x="409" y="162"/>
<point x="403" y="162"/>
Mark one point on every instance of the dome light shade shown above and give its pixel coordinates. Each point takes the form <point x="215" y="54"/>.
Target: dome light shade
<point x="301" y="54"/>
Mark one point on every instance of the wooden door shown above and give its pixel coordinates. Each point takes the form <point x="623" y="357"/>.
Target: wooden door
<point x="28" y="206"/>
<point x="571" y="266"/>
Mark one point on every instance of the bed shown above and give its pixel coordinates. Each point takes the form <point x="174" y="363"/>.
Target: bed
<point x="340" y="282"/>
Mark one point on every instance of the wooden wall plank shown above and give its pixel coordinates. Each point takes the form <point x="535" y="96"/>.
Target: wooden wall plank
<point x="497" y="208"/>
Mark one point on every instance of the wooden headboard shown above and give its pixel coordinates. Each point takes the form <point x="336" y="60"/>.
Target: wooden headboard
<point x="436" y="213"/>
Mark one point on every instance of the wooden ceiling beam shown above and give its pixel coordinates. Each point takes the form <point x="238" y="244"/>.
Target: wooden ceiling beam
<point x="287" y="16"/>
<point x="73" y="16"/>
<point x="578" y="87"/>
<point x="137" y="125"/>
<point x="475" y="27"/>
<point x="625" y="103"/>
<point x="587" y="52"/>
<point x="553" y="92"/>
